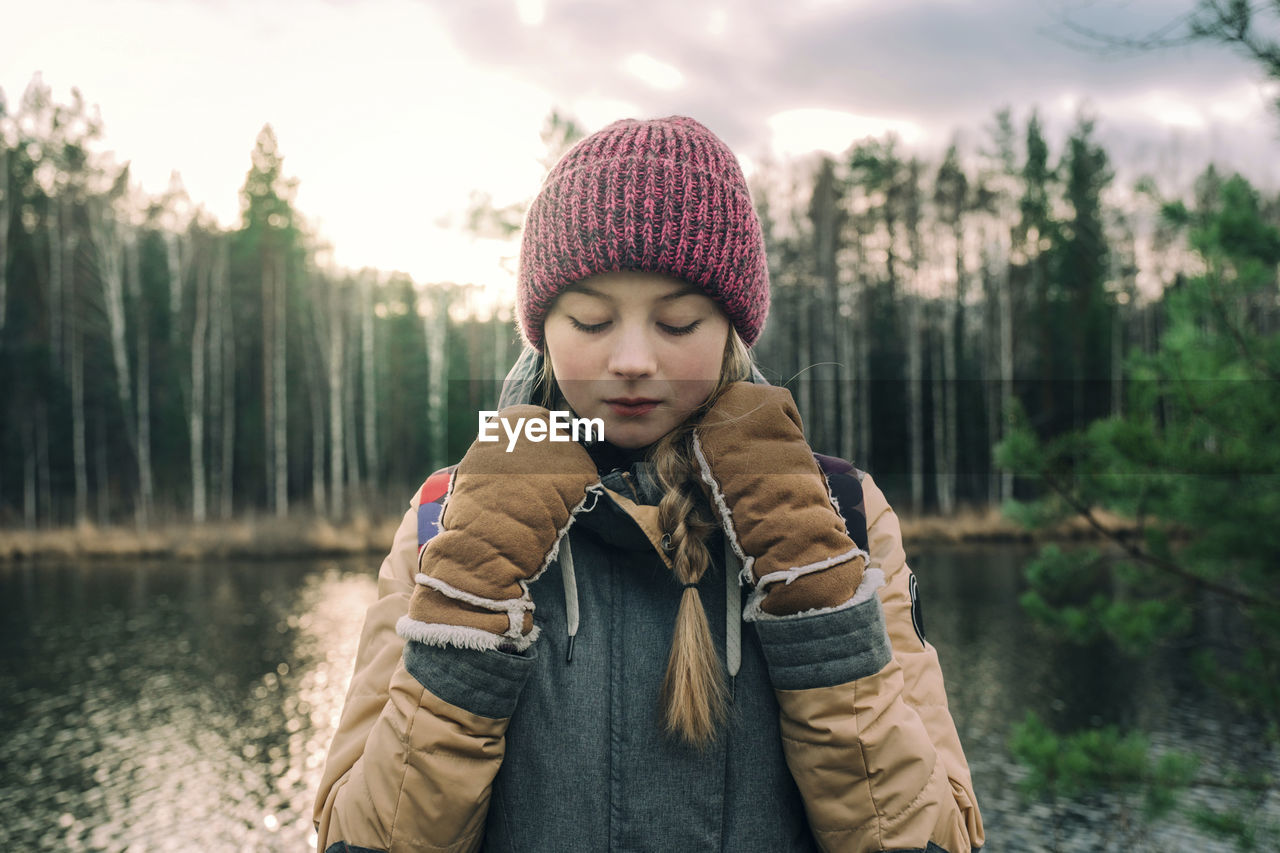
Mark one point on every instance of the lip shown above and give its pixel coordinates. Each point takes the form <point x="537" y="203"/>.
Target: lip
<point x="632" y="401"/>
<point x="630" y="407"/>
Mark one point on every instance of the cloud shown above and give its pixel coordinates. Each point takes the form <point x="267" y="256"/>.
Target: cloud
<point x="938" y="64"/>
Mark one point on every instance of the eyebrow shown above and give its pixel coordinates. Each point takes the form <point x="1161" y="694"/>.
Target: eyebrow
<point x="590" y="291"/>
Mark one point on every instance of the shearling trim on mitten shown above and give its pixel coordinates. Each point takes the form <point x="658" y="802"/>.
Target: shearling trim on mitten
<point x="462" y="636"/>
<point x="872" y="580"/>
<point x="782" y="575"/>
<point x="726" y="515"/>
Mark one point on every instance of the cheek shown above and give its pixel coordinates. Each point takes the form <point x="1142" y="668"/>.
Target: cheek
<point x="570" y="362"/>
<point x="698" y="370"/>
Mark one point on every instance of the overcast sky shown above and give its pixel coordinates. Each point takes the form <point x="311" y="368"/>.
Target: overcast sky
<point x="390" y="113"/>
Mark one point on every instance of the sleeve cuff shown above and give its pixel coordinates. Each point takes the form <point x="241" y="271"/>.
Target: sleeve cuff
<point x="486" y="683"/>
<point x="826" y="649"/>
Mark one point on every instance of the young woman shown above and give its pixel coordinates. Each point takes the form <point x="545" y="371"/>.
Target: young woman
<point x="633" y="709"/>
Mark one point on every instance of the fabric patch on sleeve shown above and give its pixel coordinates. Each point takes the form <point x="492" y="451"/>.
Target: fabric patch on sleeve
<point x="847" y="489"/>
<point x="917" y="610"/>
<point x="431" y="504"/>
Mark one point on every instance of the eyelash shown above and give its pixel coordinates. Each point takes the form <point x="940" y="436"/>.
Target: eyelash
<point x="670" y="330"/>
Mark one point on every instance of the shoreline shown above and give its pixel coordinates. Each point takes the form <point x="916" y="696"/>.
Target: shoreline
<point x="264" y="539"/>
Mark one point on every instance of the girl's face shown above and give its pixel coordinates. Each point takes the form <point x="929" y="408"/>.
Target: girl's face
<point x="638" y="350"/>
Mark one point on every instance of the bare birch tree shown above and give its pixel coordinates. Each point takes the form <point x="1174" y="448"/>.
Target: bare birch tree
<point x="57" y="286"/>
<point x="280" y="388"/>
<point x="316" y="378"/>
<point x="108" y="231"/>
<point x="908" y="190"/>
<point x="142" y="416"/>
<point x="219" y="296"/>
<point x="6" y="209"/>
<point x="334" y="362"/>
<point x="436" y="328"/>
<point x="205" y="272"/>
<point x="75" y="357"/>
<point x="227" y="352"/>
<point x="350" y="380"/>
<point x="369" y="390"/>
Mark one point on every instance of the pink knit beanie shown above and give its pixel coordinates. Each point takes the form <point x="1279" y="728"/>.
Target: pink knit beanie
<point x="662" y="196"/>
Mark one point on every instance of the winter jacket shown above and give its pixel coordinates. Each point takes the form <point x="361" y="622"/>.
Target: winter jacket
<point x="838" y="737"/>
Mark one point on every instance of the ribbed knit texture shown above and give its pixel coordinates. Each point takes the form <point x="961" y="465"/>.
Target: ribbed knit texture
<point x="663" y="196"/>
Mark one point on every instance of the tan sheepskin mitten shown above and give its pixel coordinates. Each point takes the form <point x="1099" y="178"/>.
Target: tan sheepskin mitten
<point x="503" y="520"/>
<point x="774" y="505"/>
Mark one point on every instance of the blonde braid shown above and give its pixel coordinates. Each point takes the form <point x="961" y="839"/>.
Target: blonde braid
<point x="693" y="692"/>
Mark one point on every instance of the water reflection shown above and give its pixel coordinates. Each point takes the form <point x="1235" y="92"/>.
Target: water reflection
<point x="151" y="707"/>
<point x="998" y="666"/>
<point x="165" y="708"/>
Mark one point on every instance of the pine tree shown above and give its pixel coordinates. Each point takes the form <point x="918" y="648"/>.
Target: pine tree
<point x="1193" y="460"/>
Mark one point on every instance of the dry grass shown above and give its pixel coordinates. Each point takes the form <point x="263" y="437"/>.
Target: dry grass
<point x="213" y="540"/>
<point x="266" y="538"/>
<point x="971" y="525"/>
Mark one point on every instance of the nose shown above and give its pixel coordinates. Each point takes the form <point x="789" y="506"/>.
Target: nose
<point x="633" y="354"/>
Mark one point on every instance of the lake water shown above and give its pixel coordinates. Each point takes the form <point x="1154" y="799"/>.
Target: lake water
<point x="188" y="707"/>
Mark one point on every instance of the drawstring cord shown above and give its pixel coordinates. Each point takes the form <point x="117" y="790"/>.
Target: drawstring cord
<point x="732" y="614"/>
<point x="570" y="596"/>
<point x="732" y="606"/>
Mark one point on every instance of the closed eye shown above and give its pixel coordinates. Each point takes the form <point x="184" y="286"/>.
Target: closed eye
<point x="590" y="329"/>
<point x="680" y="330"/>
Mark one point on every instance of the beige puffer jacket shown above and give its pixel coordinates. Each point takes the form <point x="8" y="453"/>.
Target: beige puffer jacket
<point x="878" y="761"/>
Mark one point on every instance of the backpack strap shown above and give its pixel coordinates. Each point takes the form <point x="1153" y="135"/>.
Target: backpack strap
<point x="844" y="482"/>
<point x="431" y="501"/>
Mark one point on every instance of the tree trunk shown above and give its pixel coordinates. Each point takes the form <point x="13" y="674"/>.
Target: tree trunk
<point x="1006" y="367"/>
<point x="177" y="258"/>
<point x="825" y="213"/>
<point x="945" y="411"/>
<point x="804" y="347"/>
<point x="228" y="352"/>
<point x="955" y="323"/>
<point x="29" y="515"/>
<point x="43" y="473"/>
<point x="111" y="261"/>
<point x="218" y="296"/>
<point x="280" y="386"/>
<point x="268" y="375"/>
<point x="350" y="368"/>
<point x="53" y="227"/>
<point x="832" y="403"/>
<point x="319" y="495"/>
<point x="315" y="395"/>
<point x="437" y="328"/>
<point x="939" y="407"/>
<point x="143" y="416"/>
<point x="369" y="395"/>
<point x="337" y="445"/>
<point x="862" y="344"/>
<point x="199" y="492"/>
<point x="915" y="402"/>
<point x="6" y="206"/>
<point x="990" y="342"/>
<point x="848" y="372"/>
<point x="1117" y="356"/>
<point x="101" y="475"/>
<point x="76" y="357"/>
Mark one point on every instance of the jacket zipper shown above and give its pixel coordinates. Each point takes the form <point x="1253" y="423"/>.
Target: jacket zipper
<point x="626" y="477"/>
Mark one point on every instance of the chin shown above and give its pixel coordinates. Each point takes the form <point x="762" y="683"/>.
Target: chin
<point x="629" y="437"/>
